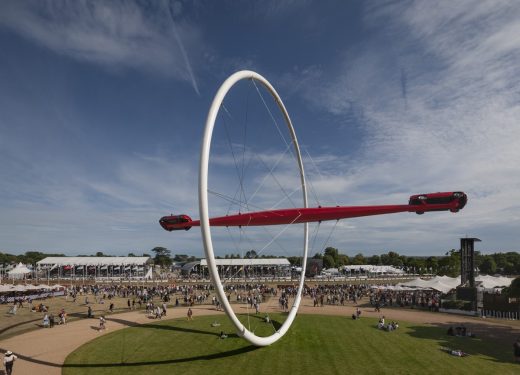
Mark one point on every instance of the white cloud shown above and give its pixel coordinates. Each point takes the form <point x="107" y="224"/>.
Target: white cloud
<point x="113" y="34"/>
<point x="75" y="211"/>
<point x="455" y="127"/>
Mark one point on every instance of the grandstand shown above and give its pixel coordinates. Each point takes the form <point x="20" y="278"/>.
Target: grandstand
<point x="94" y="267"/>
<point x="230" y="268"/>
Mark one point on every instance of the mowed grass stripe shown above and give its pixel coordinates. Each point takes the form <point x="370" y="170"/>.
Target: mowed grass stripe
<point x="315" y="344"/>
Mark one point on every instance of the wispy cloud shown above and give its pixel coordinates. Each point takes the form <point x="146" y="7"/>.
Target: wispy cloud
<point x="451" y="122"/>
<point x="114" y="34"/>
<point x="64" y="204"/>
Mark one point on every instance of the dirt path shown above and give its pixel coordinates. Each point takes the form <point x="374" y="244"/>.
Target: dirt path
<point x="43" y="351"/>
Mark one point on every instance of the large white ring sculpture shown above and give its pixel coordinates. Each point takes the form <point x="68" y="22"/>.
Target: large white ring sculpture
<point x="204" y="216"/>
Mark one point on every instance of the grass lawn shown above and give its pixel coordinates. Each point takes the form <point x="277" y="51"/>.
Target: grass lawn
<point x="314" y="344"/>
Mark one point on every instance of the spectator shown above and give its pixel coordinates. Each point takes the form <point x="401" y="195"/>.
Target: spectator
<point x="46" y="321"/>
<point x="516" y="350"/>
<point x="9" y="359"/>
<point x="102" y="322"/>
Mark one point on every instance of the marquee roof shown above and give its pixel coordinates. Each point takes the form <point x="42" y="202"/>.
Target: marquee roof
<point x="373" y="268"/>
<point x="20" y="269"/>
<point x="444" y="283"/>
<point x="93" y="261"/>
<point x="249" y="262"/>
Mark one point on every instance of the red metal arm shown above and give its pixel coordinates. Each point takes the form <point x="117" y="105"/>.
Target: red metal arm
<point x="418" y="203"/>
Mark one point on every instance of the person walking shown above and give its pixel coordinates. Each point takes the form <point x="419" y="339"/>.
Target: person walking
<point x="102" y="322"/>
<point x="190" y="314"/>
<point x="164" y="306"/>
<point x="516" y="350"/>
<point x="9" y="359"/>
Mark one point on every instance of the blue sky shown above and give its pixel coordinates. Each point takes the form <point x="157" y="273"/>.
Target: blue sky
<point x="103" y="104"/>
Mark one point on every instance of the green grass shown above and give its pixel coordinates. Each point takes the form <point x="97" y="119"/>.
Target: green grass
<point x="314" y="344"/>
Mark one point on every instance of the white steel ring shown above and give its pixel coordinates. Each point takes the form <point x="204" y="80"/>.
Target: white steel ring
<point x="204" y="216"/>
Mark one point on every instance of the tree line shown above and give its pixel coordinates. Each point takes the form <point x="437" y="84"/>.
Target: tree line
<point x="498" y="263"/>
<point x="507" y="263"/>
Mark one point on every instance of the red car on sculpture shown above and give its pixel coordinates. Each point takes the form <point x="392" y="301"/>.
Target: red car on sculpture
<point x="458" y="199"/>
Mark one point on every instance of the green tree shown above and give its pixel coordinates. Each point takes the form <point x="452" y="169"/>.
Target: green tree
<point x="416" y="265"/>
<point x="488" y="265"/>
<point x="374" y="260"/>
<point x="333" y="252"/>
<point x="450" y="264"/>
<point x="343" y="260"/>
<point x="328" y="261"/>
<point x="180" y="258"/>
<point x="514" y="289"/>
<point x="432" y="264"/>
<point x="162" y="256"/>
<point x="295" y="261"/>
<point x="395" y="259"/>
<point x="359" y="259"/>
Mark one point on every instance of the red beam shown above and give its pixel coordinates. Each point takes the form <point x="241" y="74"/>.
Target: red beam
<point x="418" y="203"/>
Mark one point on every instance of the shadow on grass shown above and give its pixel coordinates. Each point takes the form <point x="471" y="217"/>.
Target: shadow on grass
<point x="229" y="353"/>
<point x="206" y="357"/>
<point x="33" y="324"/>
<point x="157" y="325"/>
<point x="494" y="343"/>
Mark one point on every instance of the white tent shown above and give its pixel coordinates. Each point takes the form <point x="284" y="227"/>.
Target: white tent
<point x="18" y="288"/>
<point x="445" y="283"/>
<point x="5" y="288"/>
<point x="19" y="271"/>
<point x="491" y="282"/>
<point x="416" y="283"/>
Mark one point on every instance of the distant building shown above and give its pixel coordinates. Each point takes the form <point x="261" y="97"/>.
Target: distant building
<point x="94" y="267"/>
<point x="231" y="268"/>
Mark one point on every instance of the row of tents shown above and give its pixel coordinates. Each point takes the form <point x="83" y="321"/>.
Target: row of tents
<point x="9" y="288"/>
<point x="445" y="284"/>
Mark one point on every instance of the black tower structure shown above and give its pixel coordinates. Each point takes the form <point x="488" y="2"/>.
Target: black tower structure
<point x="467" y="262"/>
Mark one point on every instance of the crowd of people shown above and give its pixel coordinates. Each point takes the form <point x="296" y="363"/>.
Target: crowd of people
<point x="392" y="326"/>
<point x="156" y="299"/>
<point x="426" y="299"/>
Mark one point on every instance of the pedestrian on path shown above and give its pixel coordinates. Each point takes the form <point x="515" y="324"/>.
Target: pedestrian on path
<point x="9" y="359"/>
<point x="516" y="350"/>
<point x="190" y="314"/>
<point x="102" y="322"/>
